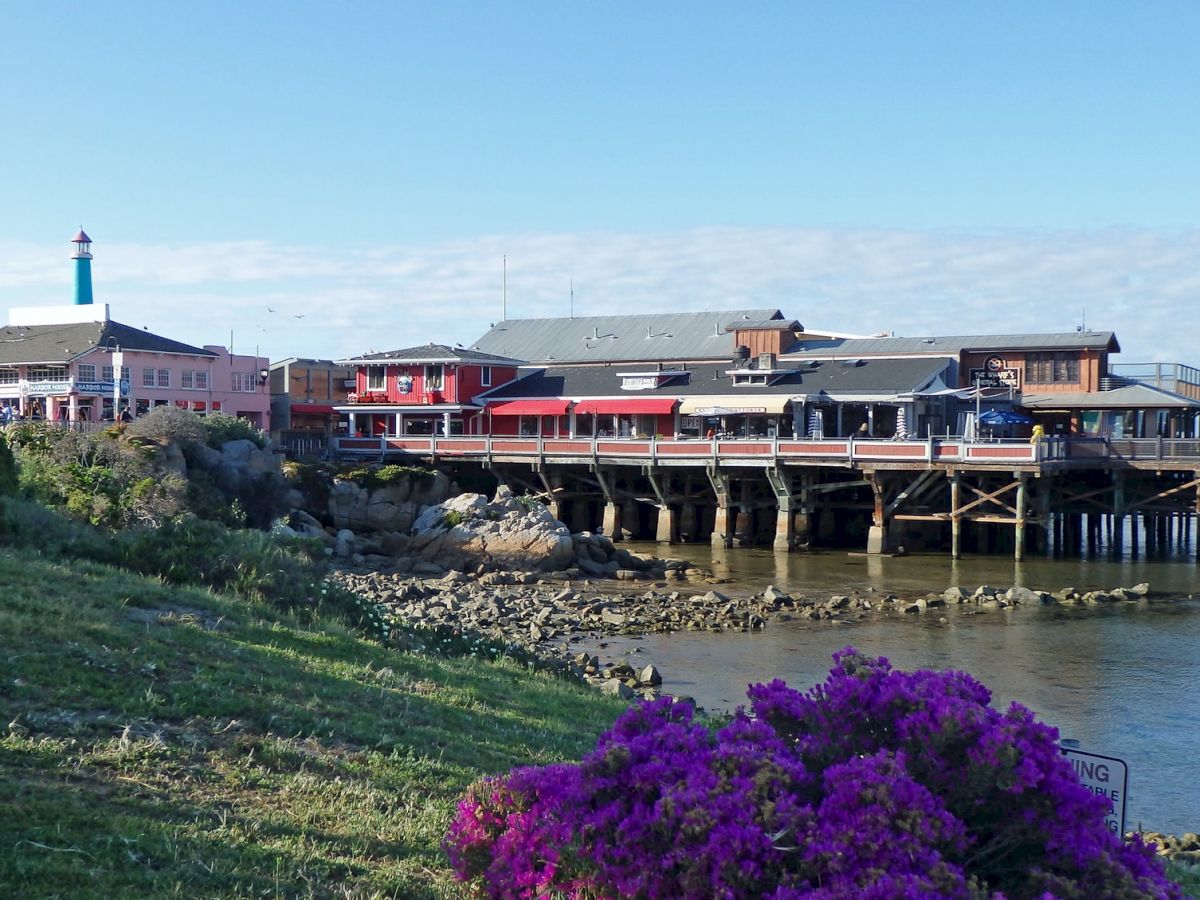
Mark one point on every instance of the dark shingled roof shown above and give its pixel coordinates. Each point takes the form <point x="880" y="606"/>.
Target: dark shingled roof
<point x="433" y="353"/>
<point x="54" y="344"/>
<point x="876" y="376"/>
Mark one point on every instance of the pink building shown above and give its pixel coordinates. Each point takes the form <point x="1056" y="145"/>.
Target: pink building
<point x="75" y="364"/>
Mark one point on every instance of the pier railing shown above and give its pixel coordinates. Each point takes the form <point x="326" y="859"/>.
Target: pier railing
<point x="735" y="452"/>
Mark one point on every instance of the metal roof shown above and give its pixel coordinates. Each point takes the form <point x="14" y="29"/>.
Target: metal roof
<point x="1133" y="396"/>
<point x="657" y="336"/>
<point x="433" y="353"/>
<point x="57" y="344"/>
<point x="877" y="376"/>
<point x="952" y="345"/>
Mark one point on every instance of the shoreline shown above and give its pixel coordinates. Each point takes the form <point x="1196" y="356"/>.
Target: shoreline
<point x="545" y="614"/>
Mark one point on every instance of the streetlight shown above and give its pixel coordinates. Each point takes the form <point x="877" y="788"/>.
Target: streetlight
<point x="118" y="362"/>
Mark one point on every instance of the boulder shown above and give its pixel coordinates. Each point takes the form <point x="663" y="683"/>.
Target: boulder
<point x="506" y="533"/>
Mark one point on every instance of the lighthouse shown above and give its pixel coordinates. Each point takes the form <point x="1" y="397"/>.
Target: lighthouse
<point x="83" y="268"/>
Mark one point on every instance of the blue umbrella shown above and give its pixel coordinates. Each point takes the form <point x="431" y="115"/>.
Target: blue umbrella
<point x="1004" y="417"/>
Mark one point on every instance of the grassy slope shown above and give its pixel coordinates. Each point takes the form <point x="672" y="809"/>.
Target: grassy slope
<point x="168" y="741"/>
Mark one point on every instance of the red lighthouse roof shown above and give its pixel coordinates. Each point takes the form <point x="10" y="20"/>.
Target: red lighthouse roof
<point x="81" y="238"/>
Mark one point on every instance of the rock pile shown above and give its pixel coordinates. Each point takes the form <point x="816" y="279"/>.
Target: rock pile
<point x="986" y="596"/>
<point x="534" y="612"/>
<point x="1183" y="848"/>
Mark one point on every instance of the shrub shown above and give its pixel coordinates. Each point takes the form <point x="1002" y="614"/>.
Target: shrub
<point x="8" y="468"/>
<point x="221" y="428"/>
<point x="166" y="423"/>
<point x="876" y="783"/>
<point x="376" y="476"/>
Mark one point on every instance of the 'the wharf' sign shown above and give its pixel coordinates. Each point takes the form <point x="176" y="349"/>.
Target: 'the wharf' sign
<point x="1106" y="776"/>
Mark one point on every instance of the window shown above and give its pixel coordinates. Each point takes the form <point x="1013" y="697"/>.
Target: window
<point x="244" y="382"/>
<point x="106" y="373"/>
<point x="47" y="373"/>
<point x="485" y="376"/>
<point x="193" y="379"/>
<point x="1052" y="368"/>
<point x="164" y="378"/>
<point x="148" y="377"/>
<point x="9" y="376"/>
<point x="376" y="378"/>
<point x="87" y="372"/>
<point x="433" y="378"/>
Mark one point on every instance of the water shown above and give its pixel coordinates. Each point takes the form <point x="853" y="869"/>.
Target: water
<point x="1121" y="678"/>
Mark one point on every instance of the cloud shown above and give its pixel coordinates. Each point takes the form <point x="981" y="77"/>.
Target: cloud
<point x="335" y="301"/>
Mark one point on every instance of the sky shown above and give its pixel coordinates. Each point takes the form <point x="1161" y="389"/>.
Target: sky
<point x="323" y="180"/>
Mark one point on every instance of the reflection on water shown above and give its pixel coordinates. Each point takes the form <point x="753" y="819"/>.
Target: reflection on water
<point x="1120" y="678"/>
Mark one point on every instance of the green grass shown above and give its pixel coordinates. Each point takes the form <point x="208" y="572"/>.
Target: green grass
<point x="159" y="741"/>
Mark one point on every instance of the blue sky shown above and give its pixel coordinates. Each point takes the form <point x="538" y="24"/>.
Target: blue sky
<point x="912" y="167"/>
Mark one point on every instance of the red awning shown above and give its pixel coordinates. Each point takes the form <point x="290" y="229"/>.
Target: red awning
<point x="529" y="408"/>
<point x="650" y="405"/>
<point x="313" y="408"/>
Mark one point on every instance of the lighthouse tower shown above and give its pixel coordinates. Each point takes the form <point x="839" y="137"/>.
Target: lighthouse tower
<point x="83" y="268"/>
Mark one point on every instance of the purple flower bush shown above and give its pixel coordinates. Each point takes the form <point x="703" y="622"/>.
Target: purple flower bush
<point x="874" y="784"/>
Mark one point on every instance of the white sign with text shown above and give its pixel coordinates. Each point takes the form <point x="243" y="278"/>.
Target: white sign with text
<point x="1106" y="776"/>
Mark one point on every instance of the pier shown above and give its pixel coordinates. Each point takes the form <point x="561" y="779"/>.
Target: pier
<point x="1060" y="496"/>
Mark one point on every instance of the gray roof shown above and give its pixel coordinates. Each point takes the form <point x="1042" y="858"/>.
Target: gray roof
<point x="659" y="337"/>
<point x="877" y="376"/>
<point x="952" y="345"/>
<point x="1133" y="396"/>
<point x="56" y="344"/>
<point x="434" y="353"/>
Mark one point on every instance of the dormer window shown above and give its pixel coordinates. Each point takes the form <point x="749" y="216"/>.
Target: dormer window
<point x="750" y="377"/>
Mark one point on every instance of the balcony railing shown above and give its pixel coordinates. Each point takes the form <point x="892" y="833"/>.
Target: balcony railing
<point x="735" y="452"/>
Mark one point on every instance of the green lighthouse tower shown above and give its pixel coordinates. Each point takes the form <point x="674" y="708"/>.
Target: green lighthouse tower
<point x="83" y="268"/>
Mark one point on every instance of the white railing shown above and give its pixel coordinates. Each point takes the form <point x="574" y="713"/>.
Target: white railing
<point x="729" y="452"/>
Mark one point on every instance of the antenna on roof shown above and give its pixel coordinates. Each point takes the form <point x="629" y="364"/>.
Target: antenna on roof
<point x="504" y="288"/>
<point x="572" y="297"/>
<point x="1083" y="318"/>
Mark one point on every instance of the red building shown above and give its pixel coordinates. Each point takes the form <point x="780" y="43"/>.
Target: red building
<point x="422" y="390"/>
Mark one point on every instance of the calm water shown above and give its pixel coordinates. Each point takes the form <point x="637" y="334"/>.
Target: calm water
<point x="1121" y="679"/>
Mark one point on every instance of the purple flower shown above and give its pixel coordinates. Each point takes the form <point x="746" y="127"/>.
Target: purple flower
<point x="874" y="784"/>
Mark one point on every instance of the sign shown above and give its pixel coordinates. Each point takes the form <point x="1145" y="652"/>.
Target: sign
<point x="103" y="387"/>
<point x="996" y="378"/>
<point x="639" y="382"/>
<point x="43" y="388"/>
<point x="404" y="384"/>
<point x="1106" y="776"/>
<point x="730" y="410"/>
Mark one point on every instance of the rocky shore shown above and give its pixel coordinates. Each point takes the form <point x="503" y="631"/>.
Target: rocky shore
<point x="504" y="568"/>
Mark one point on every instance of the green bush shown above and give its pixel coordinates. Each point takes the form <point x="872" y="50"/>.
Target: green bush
<point x="376" y="476"/>
<point x="221" y="429"/>
<point x="8" y="468"/>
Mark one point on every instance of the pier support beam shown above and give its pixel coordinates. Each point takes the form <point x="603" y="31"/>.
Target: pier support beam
<point x="877" y="535"/>
<point x="1118" y="539"/>
<point x="955" y="518"/>
<point x="611" y="523"/>
<point x="722" y="533"/>
<point x="1019" y="523"/>
<point x="785" y="523"/>
<point x="667" y="529"/>
<point x="689" y="522"/>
